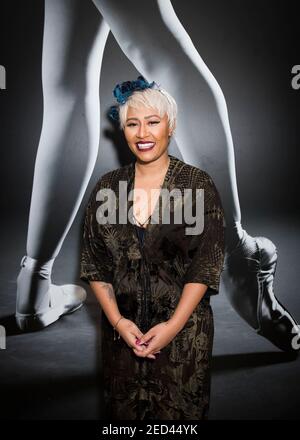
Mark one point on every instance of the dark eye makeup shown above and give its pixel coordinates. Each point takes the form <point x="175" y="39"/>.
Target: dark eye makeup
<point x="132" y="124"/>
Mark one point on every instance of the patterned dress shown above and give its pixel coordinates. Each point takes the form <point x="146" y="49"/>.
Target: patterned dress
<point x="148" y="277"/>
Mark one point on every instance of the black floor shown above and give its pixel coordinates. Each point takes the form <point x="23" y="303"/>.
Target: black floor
<point x="55" y="373"/>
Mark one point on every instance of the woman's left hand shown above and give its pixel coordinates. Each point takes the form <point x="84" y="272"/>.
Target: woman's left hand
<point x="156" y="338"/>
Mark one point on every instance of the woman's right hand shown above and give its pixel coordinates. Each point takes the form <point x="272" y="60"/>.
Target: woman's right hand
<point x="131" y="334"/>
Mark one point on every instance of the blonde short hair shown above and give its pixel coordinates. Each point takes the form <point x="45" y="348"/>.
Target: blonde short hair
<point x="158" y="99"/>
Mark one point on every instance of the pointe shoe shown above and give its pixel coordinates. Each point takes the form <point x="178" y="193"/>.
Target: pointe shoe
<point x="248" y="276"/>
<point x="40" y="303"/>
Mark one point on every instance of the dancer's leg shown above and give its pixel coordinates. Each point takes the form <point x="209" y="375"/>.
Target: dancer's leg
<point x="74" y="40"/>
<point x="157" y="44"/>
<point x="73" y="44"/>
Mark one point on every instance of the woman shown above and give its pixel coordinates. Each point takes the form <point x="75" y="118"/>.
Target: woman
<point x="152" y="279"/>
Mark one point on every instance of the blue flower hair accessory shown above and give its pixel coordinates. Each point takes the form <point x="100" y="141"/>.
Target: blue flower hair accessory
<point x="122" y="92"/>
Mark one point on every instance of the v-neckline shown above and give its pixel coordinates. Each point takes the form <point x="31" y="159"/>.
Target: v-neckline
<point x="164" y="185"/>
<point x="175" y="165"/>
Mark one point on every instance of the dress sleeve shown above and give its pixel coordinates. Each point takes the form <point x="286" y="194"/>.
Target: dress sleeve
<point x="207" y="249"/>
<point x="96" y="261"/>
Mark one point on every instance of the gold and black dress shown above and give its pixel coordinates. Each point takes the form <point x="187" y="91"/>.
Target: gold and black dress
<point x="148" y="275"/>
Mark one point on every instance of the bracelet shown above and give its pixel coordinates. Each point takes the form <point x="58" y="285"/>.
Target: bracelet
<point x="116" y="326"/>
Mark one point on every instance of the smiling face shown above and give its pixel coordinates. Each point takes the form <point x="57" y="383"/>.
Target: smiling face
<point x="146" y="133"/>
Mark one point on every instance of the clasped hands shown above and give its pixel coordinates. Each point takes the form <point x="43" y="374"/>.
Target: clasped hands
<point x="150" y="343"/>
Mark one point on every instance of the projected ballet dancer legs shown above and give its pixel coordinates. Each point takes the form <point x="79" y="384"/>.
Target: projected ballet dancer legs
<point x="161" y="50"/>
<point x="74" y="39"/>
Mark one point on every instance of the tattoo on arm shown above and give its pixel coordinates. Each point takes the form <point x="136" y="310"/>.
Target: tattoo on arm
<point x="110" y="290"/>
